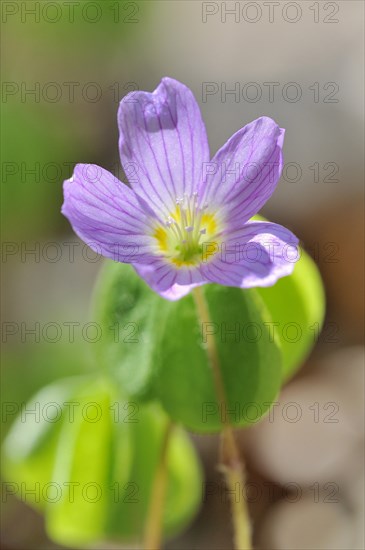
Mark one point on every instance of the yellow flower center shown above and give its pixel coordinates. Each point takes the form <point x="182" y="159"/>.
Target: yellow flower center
<point x="188" y="229"/>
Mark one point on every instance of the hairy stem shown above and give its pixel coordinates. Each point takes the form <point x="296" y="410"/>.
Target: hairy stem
<point x="231" y="463"/>
<point x="153" y="528"/>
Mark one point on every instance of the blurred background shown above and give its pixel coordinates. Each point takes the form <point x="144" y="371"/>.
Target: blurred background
<point x="65" y="67"/>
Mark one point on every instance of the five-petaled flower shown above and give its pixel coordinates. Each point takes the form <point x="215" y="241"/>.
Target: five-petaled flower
<point x="185" y="220"/>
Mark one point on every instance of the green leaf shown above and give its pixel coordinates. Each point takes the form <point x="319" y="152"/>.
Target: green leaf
<point x="82" y="469"/>
<point x="95" y="466"/>
<point x="129" y="515"/>
<point x="169" y="362"/>
<point x="30" y="446"/>
<point x="297" y="307"/>
<point x="249" y="360"/>
<point x="129" y="313"/>
<point x="113" y="463"/>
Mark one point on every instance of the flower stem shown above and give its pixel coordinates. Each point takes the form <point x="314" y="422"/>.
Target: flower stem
<point x="231" y="464"/>
<point x="153" y="529"/>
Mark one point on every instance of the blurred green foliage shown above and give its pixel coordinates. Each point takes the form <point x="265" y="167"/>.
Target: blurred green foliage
<point x="165" y="360"/>
<point x="169" y="361"/>
<point x="252" y="329"/>
<point x="64" y="120"/>
<point x="93" y="457"/>
<point x="297" y="305"/>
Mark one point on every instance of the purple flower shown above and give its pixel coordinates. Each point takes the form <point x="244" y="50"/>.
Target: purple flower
<point x="185" y="219"/>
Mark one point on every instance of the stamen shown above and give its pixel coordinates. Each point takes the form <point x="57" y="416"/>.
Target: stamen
<point x="186" y="231"/>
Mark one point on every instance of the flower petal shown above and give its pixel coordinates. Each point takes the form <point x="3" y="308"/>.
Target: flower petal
<point x="163" y="143"/>
<point x="172" y="293"/>
<point x="244" y="172"/>
<point x="258" y="254"/>
<point x="107" y="215"/>
<point x="169" y="281"/>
